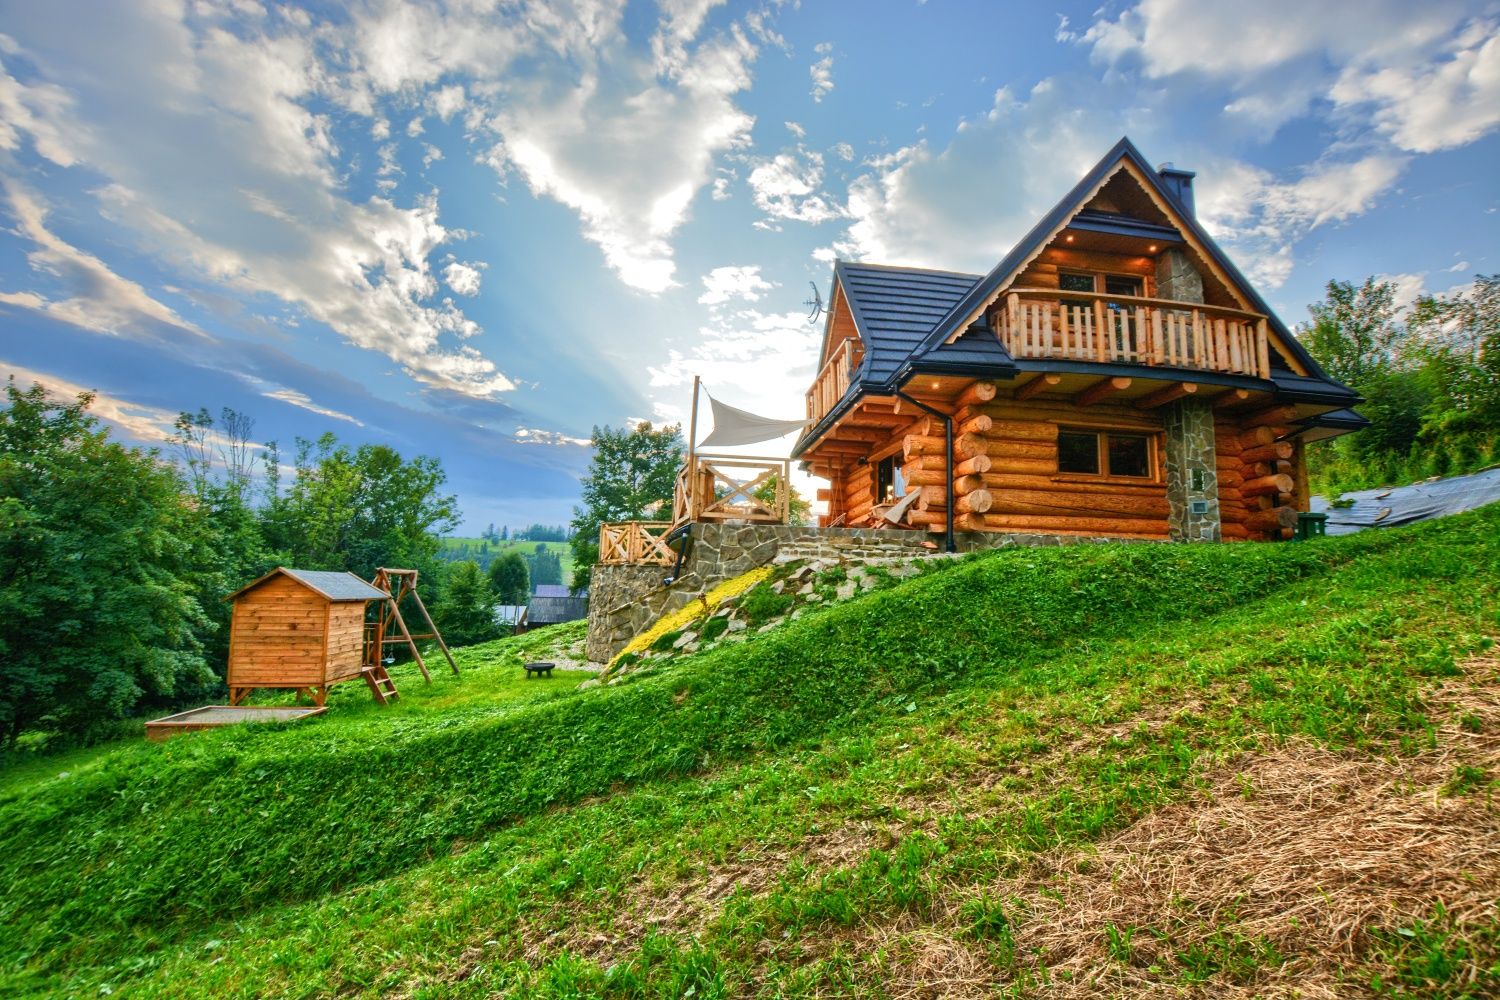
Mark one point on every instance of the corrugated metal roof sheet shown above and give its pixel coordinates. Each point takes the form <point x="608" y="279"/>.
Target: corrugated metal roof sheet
<point x="551" y="590"/>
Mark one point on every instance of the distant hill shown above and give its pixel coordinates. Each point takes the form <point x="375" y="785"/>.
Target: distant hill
<point x="483" y="552"/>
<point x="1097" y="770"/>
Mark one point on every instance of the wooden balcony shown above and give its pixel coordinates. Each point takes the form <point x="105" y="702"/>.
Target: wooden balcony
<point x="1129" y="329"/>
<point x="732" y="487"/>
<point x="833" y="381"/>
<point x="635" y="543"/>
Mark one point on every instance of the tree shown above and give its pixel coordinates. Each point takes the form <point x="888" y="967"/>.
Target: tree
<point x="632" y="470"/>
<point x="1353" y="333"/>
<point x="357" y="510"/>
<point x="510" y="579"/>
<point x="97" y="550"/>
<point x="546" y="567"/>
<point x="466" y="614"/>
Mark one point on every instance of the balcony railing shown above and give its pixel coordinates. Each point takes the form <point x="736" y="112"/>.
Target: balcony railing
<point x="1043" y="323"/>
<point x="635" y="543"/>
<point x="732" y="487"/>
<point x="832" y="382"/>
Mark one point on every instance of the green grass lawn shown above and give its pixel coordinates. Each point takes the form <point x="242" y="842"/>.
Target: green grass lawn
<point x="826" y="809"/>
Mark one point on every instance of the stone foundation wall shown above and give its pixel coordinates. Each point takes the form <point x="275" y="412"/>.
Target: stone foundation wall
<point x="625" y="600"/>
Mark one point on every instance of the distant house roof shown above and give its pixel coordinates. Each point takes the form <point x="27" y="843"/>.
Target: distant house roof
<point x="510" y="614"/>
<point x="552" y="610"/>
<point x="335" y="586"/>
<point x="551" y="590"/>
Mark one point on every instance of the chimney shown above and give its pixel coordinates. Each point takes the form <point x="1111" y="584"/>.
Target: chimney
<point x="1180" y="183"/>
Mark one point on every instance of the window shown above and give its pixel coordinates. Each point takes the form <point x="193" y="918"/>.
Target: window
<point x="889" y="484"/>
<point x="1104" y="453"/>
<point x="1119" y="284"/>
<point x="1075" y="282"/>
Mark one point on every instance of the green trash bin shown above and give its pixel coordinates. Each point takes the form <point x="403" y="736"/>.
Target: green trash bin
<point x="1310" y="525"/>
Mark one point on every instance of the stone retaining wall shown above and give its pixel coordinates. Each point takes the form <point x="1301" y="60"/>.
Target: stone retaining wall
<point x="625" y="600"/>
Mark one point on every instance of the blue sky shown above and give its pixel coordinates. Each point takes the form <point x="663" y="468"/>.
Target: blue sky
<point x="477" y="230"/>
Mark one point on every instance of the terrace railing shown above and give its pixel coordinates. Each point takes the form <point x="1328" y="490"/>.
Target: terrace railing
<point x="733" y="488"/>
<point x="1043" y="323"/>
<point x="832" y="382"/>
<point x="714" y="488"/>
<point x="635" y="543"/>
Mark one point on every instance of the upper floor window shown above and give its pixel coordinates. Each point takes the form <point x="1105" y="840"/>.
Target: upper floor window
<point x="1109" y="284"/>
<point x="1104" y="453"/>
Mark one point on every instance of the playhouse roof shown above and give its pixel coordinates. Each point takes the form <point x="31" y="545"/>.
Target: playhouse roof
<point x="335" y="586"/>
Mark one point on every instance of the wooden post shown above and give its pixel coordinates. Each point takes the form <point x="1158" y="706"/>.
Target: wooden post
<point x="435" y="633"/>
<point x="692" y="477"/>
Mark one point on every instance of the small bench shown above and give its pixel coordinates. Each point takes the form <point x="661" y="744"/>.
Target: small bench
<point x="538" y="669"/>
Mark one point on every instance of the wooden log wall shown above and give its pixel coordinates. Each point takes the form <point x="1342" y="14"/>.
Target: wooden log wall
<point x="1260" y="478"/>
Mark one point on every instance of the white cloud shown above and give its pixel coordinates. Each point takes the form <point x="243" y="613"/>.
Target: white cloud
<point x="533" y="435"/>
<point x="98" y="299"/>
<point x="762" y="362"/>
<point x="844" y="151"/>
<point x="1262" y="218"/>
<point x="796" y="129"/>
<point x="786" y="186"/>
<point x="724" y="284"/>
<point x="1427" y="75"/>
<point x="464" y="277"/>
<point x="448" y="101"/>
<point x="147" y="425"/>
<point x="1459" y="267"/>
<point x="916" y="204"/>
<point x="822" y="72"/>
<point x="301" y="399"/>
<point x="259" y="207"/>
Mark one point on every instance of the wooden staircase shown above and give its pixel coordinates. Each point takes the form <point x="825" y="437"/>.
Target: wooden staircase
<point x="381" y="685"/>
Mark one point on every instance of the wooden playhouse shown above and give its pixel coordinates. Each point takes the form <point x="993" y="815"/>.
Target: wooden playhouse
<point x="302" y="630"/>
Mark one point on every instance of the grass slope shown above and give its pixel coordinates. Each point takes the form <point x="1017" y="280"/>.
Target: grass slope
<point x="741" y="821"/>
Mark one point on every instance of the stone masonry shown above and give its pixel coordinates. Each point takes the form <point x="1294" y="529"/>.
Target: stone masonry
<point x="1177" y="278"/>
<point x="1191" y="475"/>
<point x="625" y="600"/>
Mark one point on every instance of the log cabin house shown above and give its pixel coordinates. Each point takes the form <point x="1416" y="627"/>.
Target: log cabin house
<point x="1113" y="376"/>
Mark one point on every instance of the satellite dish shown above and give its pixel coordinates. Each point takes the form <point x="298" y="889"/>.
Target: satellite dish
<point x="814" y="304"/>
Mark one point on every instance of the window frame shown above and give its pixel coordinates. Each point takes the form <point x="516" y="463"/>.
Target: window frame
<point x="1101" y="444"/>
<point x="1099" y="278"/>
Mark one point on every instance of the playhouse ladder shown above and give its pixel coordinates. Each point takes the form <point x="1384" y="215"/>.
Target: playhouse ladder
<point x="381" y="685"/>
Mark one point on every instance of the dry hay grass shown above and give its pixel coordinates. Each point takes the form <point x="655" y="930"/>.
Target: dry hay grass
<point x="1300" y="849"/>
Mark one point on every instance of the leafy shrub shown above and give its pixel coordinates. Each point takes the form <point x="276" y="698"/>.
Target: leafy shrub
<point x="714" y="627"/>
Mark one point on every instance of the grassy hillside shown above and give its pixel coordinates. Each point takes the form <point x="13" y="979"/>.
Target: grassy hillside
<point x="943" y="781"/>
<point x="485" y="552"/>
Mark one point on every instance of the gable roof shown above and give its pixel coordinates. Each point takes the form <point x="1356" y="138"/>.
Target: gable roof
<point x="335" y="586"/>
<point x="985" y="288"/>
<point x="551" y="590"/>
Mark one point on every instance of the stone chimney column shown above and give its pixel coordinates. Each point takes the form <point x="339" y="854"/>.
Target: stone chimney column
<point x="1192" y="480"/>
